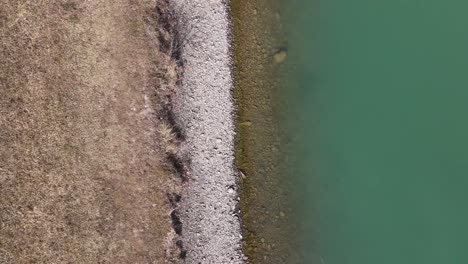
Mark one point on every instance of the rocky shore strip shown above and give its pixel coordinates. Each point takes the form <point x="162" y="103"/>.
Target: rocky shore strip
<point x="204" y="109"/>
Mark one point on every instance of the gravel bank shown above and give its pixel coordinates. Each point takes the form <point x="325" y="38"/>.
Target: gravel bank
<point x="205" y="109"/>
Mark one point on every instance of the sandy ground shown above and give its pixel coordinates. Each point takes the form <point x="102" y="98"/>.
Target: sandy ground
<point x="83" y="170"/>
<point x="211" y="229"/>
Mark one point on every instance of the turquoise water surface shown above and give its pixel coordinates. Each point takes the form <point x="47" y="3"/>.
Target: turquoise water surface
<point x="382" y="88"/>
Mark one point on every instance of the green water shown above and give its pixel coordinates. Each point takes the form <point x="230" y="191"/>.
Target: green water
<point x="382" y="88"/>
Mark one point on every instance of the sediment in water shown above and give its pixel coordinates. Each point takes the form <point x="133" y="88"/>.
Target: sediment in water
<point x="263" y="140"/>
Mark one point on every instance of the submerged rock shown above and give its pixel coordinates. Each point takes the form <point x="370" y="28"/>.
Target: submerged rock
<point x="280" y="56"/>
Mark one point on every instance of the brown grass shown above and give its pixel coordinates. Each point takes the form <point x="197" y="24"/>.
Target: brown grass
<point x="83" y="170"/>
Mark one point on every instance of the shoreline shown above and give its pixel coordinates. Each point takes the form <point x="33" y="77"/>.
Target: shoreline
<point x="205" y="110"/>
<point x="263" y="139"/>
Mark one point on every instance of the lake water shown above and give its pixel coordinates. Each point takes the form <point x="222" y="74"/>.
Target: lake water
<point x="382" y="92"/>
<point x="264" y="144"/>
<point x="353" y="127"/>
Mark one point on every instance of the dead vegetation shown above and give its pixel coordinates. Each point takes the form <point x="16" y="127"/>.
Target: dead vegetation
<point x="173" y="32"/>
<point x="89" y="144"/>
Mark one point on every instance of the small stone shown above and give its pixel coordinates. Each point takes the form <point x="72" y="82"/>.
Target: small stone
<point x="282" y="214"/>
<point x="246" y="123"/>
<point x="243" y="176"/>
<point x="280" y="56"/>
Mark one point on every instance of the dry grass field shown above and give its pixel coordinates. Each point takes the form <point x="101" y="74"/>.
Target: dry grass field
<point x="84" y="174"/>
